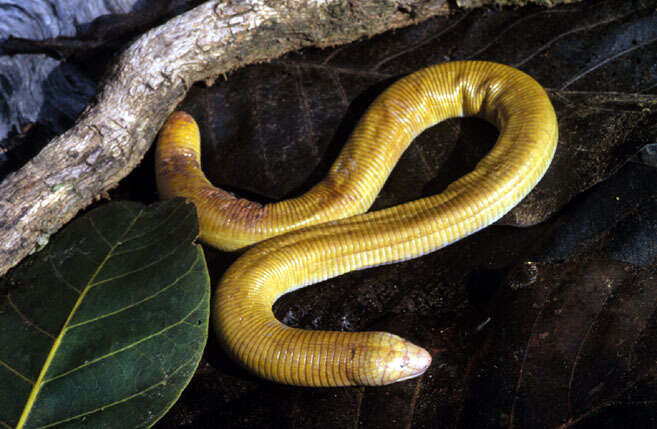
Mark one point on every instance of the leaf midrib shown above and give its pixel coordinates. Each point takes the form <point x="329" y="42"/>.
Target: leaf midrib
<point x="53" y="350"/>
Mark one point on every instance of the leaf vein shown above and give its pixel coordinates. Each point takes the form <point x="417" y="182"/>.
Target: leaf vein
<point x="412" y="407"/>
<point x="149" y="231"/>
<point x="605" y="61"/>
<point x="17" y="372"/>
<point x="343" y="70"/>
<point x="521" y="371"/>
<point x="568" y="33"/>
<point x="142" y="268"/>
<point x="146" y="299"/>
<point x="59" y="275"/>
<point x="510" y="27"/>
<point x="150" y="244"/>
<point x="605" y="405"/>
<point x="580" y="349"/>
<point x="127" y="347"/>
<point x="193" y="325"/>
<point x="127" y="398"/>
<point x="27" y="319"/>
<point x="100" y="234"/>
<point x="427" y="40"/>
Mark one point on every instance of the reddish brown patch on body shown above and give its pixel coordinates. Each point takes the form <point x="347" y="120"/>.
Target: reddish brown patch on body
<point x="233" y="209"/>
<point x="215" y="194"/>
<point x="178" y="161"/>
<point x="180" y="116"/>
<point x="247" y="211"/>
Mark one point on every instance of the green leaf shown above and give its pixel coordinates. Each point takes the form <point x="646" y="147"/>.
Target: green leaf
<point x="106" y="325"/>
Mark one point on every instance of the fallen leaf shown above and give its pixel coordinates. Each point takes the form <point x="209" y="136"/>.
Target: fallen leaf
<point x="106" y="325"/>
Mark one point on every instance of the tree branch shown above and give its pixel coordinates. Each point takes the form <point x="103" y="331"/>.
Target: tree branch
<point x="151" y="77"/>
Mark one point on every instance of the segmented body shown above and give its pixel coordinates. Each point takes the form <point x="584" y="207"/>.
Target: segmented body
<point x="323" y="234"/>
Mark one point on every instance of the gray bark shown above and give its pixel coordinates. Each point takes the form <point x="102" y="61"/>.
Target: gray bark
<point x="27" y="95"/>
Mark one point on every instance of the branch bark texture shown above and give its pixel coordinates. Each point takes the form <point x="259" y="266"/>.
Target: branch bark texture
<point x="151" y="77"/>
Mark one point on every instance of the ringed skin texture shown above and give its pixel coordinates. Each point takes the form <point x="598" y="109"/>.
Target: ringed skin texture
<point x="323" y="233"/>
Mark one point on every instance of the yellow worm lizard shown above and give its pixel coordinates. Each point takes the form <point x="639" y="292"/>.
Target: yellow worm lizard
<point x="323" y="233"/>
